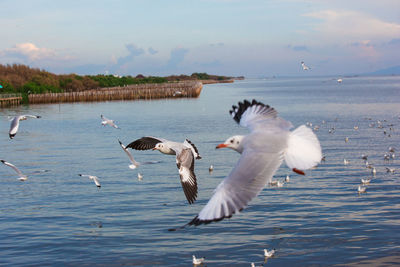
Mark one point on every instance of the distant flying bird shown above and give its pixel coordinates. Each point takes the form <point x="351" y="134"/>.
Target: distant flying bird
<point x="185" y="153"/>
<point x="269" y="254"/>
<point x="15" y="123"/>
<point x="92" y="177"/>
<point x="134" y="164"/>
<point x="262" y="152"/>
<point x="304" y="66"/>
<point x="22" y="177"/>
<point x="105" y="121"/>
<point x="198" y="261"/>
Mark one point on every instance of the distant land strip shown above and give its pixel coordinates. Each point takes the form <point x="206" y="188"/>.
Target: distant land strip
<point x="130" y="92"/>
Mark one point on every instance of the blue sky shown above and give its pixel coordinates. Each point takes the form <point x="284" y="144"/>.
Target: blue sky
<point x="226" y="37"/>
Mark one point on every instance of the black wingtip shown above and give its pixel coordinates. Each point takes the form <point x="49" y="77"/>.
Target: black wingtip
<point x="237" y="111"/>
<point x="12" y="136"/>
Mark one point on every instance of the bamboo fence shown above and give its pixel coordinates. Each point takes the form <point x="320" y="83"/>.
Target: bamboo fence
<point x="129" y="92"/>
<point x="7" y="100"/>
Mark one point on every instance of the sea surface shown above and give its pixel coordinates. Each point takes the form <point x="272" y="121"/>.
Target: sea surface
<point x="57" y="218"/>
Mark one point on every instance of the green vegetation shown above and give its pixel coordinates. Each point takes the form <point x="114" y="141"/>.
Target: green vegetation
<point x="22" y="79"/>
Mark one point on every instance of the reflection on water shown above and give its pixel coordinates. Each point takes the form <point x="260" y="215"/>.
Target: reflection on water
<point x="57" y="217"/>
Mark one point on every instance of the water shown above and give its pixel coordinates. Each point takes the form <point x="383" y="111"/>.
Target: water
<point x="59" y="218"/>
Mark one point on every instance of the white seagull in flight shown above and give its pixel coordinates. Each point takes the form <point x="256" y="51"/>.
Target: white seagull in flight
<point x="92" y="177"/>
<point x="15" y="123"/>
<point x="262" y="152"/>
<point x="185" y="152"/>
<point x="105" y="121"/>
<point x="22" y="177"/>
<point x="304" y="66"/>
<point x="134" y="164"/>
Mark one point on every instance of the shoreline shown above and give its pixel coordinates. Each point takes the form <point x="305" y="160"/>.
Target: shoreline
<point x="186" y="89"/>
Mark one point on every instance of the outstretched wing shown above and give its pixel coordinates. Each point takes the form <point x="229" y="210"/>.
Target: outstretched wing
<point x="13" y="167"/>
<point x="145" y="143"/>
<point x="253" y="171"/>
<point x="255" y="115"/>
<point x="185" y="164"/>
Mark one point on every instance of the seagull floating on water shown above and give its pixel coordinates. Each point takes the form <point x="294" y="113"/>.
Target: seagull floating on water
<point x="22" y="177"/>
<point x="365" y="181"/>
<point x="211" y="168"/>
<point x="287" y="179"/>
<point x="262" y="152"/>
<point x="346" y="162"/>
<point x="185" y="152"/>
<point x="139" y="176"/>
<point x="198" y="261"/>
<point x="361" y="189"/>
<point x="269" y="254"/>
<point x="105" y="121"/>
<point x="391" y="170"/>
<point x="15" y="123"/>
<point x="92" y="177"/>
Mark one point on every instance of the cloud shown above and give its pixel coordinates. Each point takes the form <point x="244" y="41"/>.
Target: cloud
<point x="134" y="51"/>
<point x="29" y="52"/>
<point x="395" y="41"/>
<point x="177" y="56"/>
<point x="345" y="25"/>
<point x="298" y="48"/>
<point x="152" y="51"/>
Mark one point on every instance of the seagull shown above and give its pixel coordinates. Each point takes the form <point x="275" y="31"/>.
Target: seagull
<point x="391" y="170"/>
<point x="373" y="171"/>
<point x="185" y="152"/>
<point x="92" y="177"/>
<point x="134" y="164"/>
<point x="365" y="181"/>
<point x="287" y="179"/>
<point x="339" y="80"/>
<point x="139" y="176"/>
<point x="22" y="177"/>
<point x="276" y="183"/>
<point x="262" y="152"/>
<point x="211" y="168"/>
<point x="391" y="149"/>
<point x="197" y="261"/>
<point x="346" y="162"/>
<point x="304" y="66"/>
<point x="361" y="189"/>
<point x="15" y="123"/>
<point x="105" y="121"/>
<point x="269" y="254"/>
<point x="364" y="157"/>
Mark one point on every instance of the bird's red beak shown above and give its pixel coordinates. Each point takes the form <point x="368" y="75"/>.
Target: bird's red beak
<point x="221" y="146"/>
<point x="154" y="148"/>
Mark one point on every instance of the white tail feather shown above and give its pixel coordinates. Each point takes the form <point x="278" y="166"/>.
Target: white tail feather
<point x="304" y="150"/>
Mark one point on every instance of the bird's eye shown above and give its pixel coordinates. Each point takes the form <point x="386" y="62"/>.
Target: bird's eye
<point x="231" y="141"/>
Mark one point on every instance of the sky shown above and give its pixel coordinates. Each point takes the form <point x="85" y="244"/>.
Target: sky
<point x="253" y="38"/>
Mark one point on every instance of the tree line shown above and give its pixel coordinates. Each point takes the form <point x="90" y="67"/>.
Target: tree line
<point x="18" y="78"/>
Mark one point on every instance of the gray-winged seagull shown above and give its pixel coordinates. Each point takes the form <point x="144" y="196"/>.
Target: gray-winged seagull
<point x="92" y="177"/>
<point x="22" y="177"/>
<point x="105" y="121"/>
<point x="262" y="152"/>
<point x="185" y="153"/>
<point x="15" y="123"/>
